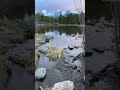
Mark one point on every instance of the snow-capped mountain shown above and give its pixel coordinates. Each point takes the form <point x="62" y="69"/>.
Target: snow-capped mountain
<point x="57" y="13"/>
<point x="70" y="11"/>
<point x="45" y="13"/>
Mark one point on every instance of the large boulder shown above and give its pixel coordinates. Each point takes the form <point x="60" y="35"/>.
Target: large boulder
<point x="55" y="53"/>
<point x="65" y="85"/>
<point x="40" y="73"/>
<point x="42" y="39"/>
<point x="21" y="53"/>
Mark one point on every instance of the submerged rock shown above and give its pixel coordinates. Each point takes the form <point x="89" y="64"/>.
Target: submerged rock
<point x="65" y="85"/>
<point x="40" y="73"/>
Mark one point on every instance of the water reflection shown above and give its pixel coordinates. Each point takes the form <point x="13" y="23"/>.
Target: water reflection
<point x="53" y="33"/>
<point x="60" y="31"/>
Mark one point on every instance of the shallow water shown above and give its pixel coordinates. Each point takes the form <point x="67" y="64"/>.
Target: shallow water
<point x="44" y="61"/>
<point x="57" y="70"/>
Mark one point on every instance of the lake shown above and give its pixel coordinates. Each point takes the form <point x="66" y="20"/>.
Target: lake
<point x="65" y="38"/>
<point x="58" y="31"/>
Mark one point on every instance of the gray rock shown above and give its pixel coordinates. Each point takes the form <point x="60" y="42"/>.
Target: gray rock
<point x="40" y="73"/>
<point x="74" y="53"/>
<point x="21" y="52"/>
<point x="69" y="60"/>
<point x="100" y="30"/>
<point x="65" y="85"/>
<point x="78" y="64"/>
<point x="88" y="54"/>
<point x="99" y="49"/>
<point x="72" y="35"/>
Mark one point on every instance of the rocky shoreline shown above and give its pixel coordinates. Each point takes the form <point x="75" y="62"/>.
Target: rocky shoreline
<point x="60" y="58"/>
<point x="99" y="56"/>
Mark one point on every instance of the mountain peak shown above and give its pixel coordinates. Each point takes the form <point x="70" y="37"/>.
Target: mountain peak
<point x="57" y="13"/>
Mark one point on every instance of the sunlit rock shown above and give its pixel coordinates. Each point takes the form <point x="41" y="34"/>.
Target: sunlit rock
<point x="65" y="85"/>
<point x="55" y="53"/>
<point x="40" y="73"/>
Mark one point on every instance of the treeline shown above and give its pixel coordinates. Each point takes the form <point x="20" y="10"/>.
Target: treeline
<point x="16" y="8"/>
<point x="67" y="19"/>
<point x="95" y="9"/>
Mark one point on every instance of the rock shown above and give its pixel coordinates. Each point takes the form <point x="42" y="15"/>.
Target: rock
<point x="100" y="30"/>
<point x="47" y="38"/>
<point x="41" y="88"/>
<point x="69" y="60"/>
<point x="43" y="49"/>
<point x="71" y="47"/>
<point x="74" y="66"/>
<point x="40" y="73"/>
<point x="65" y="85"/>
<point x="55" y="53"/>
<point x="99" y="49"/>
<point x="75" y="52"/>
<point x="108" y="24"/>
<point x="91" y="22"/>
<point x="46" y="41"/>
<point x="77" y="64"/>
<point x="107" y="49"/>
<point x="116" y="40"/>
<point x="72" y="35"/>
<point x="41" y="41"/>
<point x="76" y="47"/>
<point x="88" y="54"/>
<point x="20" y="53"/>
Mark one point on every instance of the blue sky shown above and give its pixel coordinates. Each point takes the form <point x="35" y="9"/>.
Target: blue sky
<point x="52" y="5"/>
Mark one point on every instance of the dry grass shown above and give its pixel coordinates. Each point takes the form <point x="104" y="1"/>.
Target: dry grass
<point x="5" y="66"/>
<point x="11" y="34"/>
<point x="29" y="65"/>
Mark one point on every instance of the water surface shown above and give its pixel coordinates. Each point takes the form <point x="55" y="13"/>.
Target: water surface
<point x="58" y="31"/>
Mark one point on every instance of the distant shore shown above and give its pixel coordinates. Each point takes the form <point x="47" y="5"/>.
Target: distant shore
<point x="49" y="25"/>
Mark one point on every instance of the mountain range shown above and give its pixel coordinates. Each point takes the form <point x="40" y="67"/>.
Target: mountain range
<point x="56" y="13"/>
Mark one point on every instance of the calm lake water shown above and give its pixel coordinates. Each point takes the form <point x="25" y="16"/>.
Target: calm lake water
<point x="58" y="31"/>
